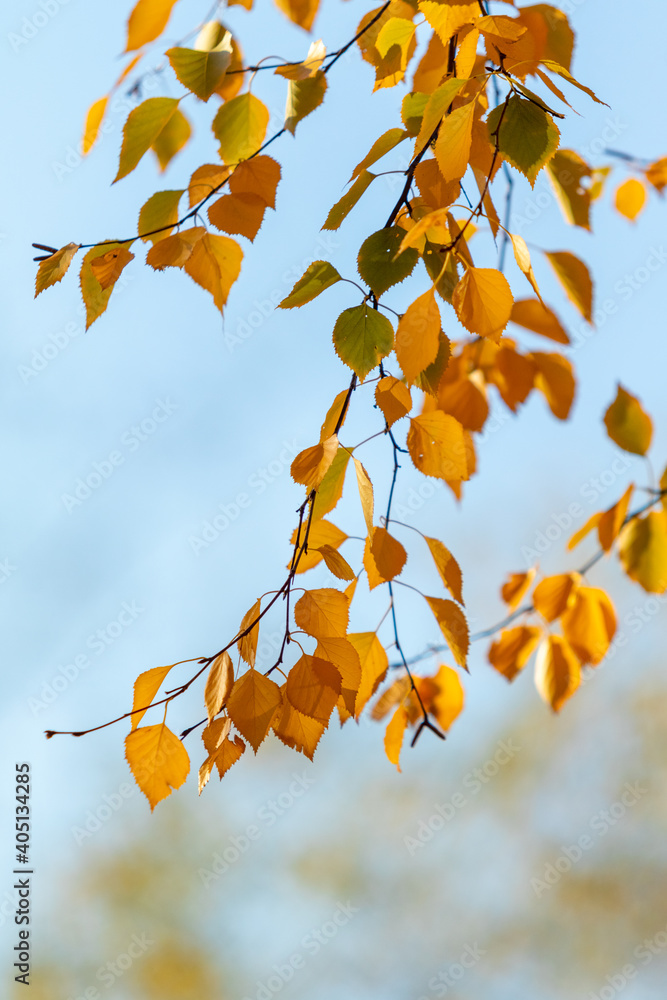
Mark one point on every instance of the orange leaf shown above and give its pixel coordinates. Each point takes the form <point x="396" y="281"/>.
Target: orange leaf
<point x="108" y="266"/>
<point x="393" y="398"/>
<point x="345" y="659"/>
<point x="418" y="335"/>
<point x="54" y="268"/>
<point x="321" y="533"/>
<point x="534" y="315"/>
<point x="238" y="213"/>
<point x="557" y="671"/>
<point x="483" y="302"/>
<point x="158" y="760"/>
<point x="448" y="568"/>
<point x="575" y="278"/>
<point x="393" y="739"/>
<point x="365" y="494"/>
<point x="336" y="563"/>
<point x="311" y="465"/>
<point x="516" y="586"/>
<point x="298" y="731"/>
<point x="643" y="551"/>
<point x="510" y="652"/>
<point x="589" y="624"/>
<point x="313" y="686"/>
<point x="373" y="661"/>
<point x="247" y="644"/>
<point x="148" y="20"/>
<point x="322" y="612"/>
<point x="628" y="425"/>
<point x="146" y="687"/>
<point x="388" y="554"/>
<point x="437" y="446"/>
<point x="252" y="706"/>
<point x="555" y="379"/>
<point x="453" y="626"/>
<point x="612" y="520"/>
<point x="218" y="684"/>
<point x="552" y="595"/>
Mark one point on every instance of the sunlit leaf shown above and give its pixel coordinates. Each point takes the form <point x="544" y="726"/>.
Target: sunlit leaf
<point x="252" y="705"/>
<point x="557" y="671"/>
<point x="54" y="268"/>
<point x="627" y="423"/>
<point x="158" y="760"/>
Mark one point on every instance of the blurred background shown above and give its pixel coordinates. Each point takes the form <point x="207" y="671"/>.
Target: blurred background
<point x="463" y="876"/>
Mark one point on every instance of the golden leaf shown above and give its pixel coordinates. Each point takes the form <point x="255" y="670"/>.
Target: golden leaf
<point x="628" y="425"/>
<point x="483" y="302"/>
<point x="312" y="688"/>
<point x="373" y="661"/>
<point x="158" y="760"/>
<point x="510" y="652"/>
<point x="394" y="399"/>
<point x="252" y="705"/>
<point x="589" y="624"/>
<point x="218" y="684"/>
<point x="448" y="568"/>
<point x="557" y="671"/>
<point x="365" y="494"/>
<point x="247" y="644"/>
<point x="54" y="268"/>
<point x="576" y="280"/>
<point x="418" y="335"/>
<point x="553" y="595"/>
<point x="437" y="446"/>
<point x="393" y="739"/>
<point x="516" y="586"/>
<point x="108" y="267"/>
<point x="453" y="626"/>
<point x="312" y="464"/>
<point x="146" y="687"/>
<point x="322" y="612"/>
<point x="642" y="548"/>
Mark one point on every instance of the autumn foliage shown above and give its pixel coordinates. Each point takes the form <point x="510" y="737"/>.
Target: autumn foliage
<point x="482" y="105"/>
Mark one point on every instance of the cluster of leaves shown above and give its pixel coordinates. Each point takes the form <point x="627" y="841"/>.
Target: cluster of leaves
<point x="469" y="118"/>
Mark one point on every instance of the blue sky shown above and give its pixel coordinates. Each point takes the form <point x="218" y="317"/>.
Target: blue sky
<point x="226" y="417"/>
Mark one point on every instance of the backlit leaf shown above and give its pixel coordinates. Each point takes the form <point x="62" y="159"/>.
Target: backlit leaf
<point x="148" y="20"/>
<point x="627" y="423"/>
<point x="362" y="336"/>
<point x="303" y="97"/>
<point x="447" y="567"/>
<point x="630" y="198"/>
<point x="452" y="147"/>
<point x="54" y="268"/>
<point x="374" y="663"/>
<point x="252" y="705"/>
<point x="330" y="489"/>
<point x="575" y="278"/>
<point x="146" y="687"/>
<point x="642" y="548"/>
<point x="336" y="564"/>
<point x="247" y="644"/>
<point x="589" y="624"/>
<point x="321" y="533"/>
<point x="160" y="213"/>
<point x="393" y="739"/>
<point x="527" y="136"/>
<point x="158" y="760"/>
<point x="174" y="251"/>
<point x="567" y="170"/>
<point x="200" y="72"/>
<point x="437" y="446"/>
<point x="322" y="612"/>
<point x="555" y="379"/>
<point x="108" y="267"/>
<point x="91" y="129"/>
<point x="301" y="12"/>
<point x="317" y="276"/>
<point x="240" y="127"/>
<point x="510" y="652"/>
<point x="171" y="139"/>
<point x="557" y="671"/>
<point x="312" y="688"/>
<point x="483" y="302"/>
<point x="205" y="180"/>
<point x="393" y="398"/>
<point x="95" y="297"/>
<point x="260" y="176"/>
<point x="388" y="554"/>
<point x="553" y="595"/>
<point x="534" y="315"/>
<point x="612" y="520"/>
<point x="379" y="262"/>
<point x="143" y="126"/>
<point x="418" y="335"/>
<point x="218" y="684"/>
<point x="215" y="264"/>
<point x="344" y="205"/>
<point x="516" y="587"/>
<point x="238" y="213"/>
<point x="298" y="731"/>
<point x="453" y="626"/>
<point x="388" y="141"/>
<point x="365" y="494"/>
<point x="311" y="465"/>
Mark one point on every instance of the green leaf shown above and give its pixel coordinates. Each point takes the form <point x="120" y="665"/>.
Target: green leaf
<point x="200" y="72"/>
<point x="377" y="261"/>
<point x="143" y="126"/>
<point x="381" y="147"/>
<point x="318" y="276"/>
<point x="160" y="210"/>
<point x="412" y="111"/>
<point x="344" y="206"/>
<point x="240" y="127"/>
<point x="527" y="135"/>
<point x="303" y="96"/>
<point x="95" y="297"/>
<point x="362" y="336"/>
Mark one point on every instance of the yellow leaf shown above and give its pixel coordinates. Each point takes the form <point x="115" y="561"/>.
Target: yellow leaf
<point x="393" y="738"/>
<point x="240" y="127"/>
<point x="95" y="297"/>
<point x="567" y="171"/>
<point x="612" y="520"/>
<point x="501" y="28"/>
<point x="310" y="65"/>
<point x="388" y="556"/>
<point x="171" y="139"/>
<point x="630" y="198"/>
<point x="344" y="205"/>
<point x="222" y="752"/>
<point x="432" y="226"/>
<point x="434" y="189"/>
<point x="555" y="379"/>
<point x="642" y="548"/>
<point x="522" y="257"/>
<point x="394" y="694"/>
<point x="365" y="494"/>
<point x="589" y="624"/>
<point x="218" y="684"/>
<point x="483" y="302"/>
<point x="108" y="266"/>
<point x="215" y="264"/>
<point x="158" y="760"/>
<point x="447" y="19"/>
<point x="510" y="652"/>
<point x="343" y="655"/>
<point x="437" y="446"/>
<point x="448" y="568"/>
<point x="312" y="688"/>
<point x="557" y="671"/>
<point x="252" y="705"/>
<point x="174" y="251"/>
<point x="452" y="147"/>
<point x="333" y="414"/>
<point x="159" y="215"/>
<point x="322" y="612"/>
<point x="628" y="425"/>
<point x="446" y="701"/>
<point x="91" y="129"/>
<point x="453" y="626"/>
<point x="201" y="72"/>
<point x="465" y="399"/>
<point x="436" y="109"/>
<point x="312" y="464"/>
<point x="575" y="278"/>
<point x="298" y="731"/>
<point x="513" y="591"/>
<point x="148" y="20"/>
<point x="54" y="268"/>
<point x="514" y="375"/>
<point x="205" y="180"/>
<point x="418" y="335"/>
<point x="142" y="128"/>
<point x="553" y="595"/>
<point x="303" y="97"/>
<point x="301" y="12"/>
<point x="146" y="687"/>
<point x="247" y="644"/>
<point x="336" y="563"/>
<point x="394" y="399"/>
<point x="321" y="533"/>
<point x="535" y="316"/>
<point x="373" y="661"/>
<point x="330" y="489"/>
